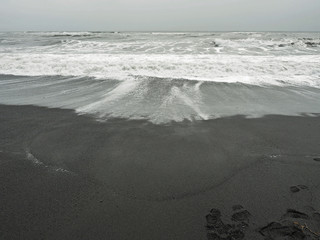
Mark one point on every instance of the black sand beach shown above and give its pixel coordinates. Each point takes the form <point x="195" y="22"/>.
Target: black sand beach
<point x="64" y="176"/>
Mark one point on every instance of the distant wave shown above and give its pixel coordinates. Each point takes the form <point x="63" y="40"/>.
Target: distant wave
<point x="64" y="34"/>
<point x="278" y="44"/>
<point x="70" y="35"/>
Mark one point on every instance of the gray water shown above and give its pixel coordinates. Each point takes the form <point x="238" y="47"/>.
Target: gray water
<point x="161" y="76"/>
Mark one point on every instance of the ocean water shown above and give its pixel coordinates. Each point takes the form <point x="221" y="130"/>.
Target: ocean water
<point x="163" y="77"/>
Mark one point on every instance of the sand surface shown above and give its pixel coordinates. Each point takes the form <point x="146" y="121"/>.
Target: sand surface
<point x="64" y="176"/>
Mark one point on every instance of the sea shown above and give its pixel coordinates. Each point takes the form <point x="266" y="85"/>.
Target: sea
<point x="163" y="77"/>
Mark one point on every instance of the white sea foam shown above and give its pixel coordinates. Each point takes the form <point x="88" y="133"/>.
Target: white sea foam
<point x="156" y="99"/>
<point x="36" y="161"/>
<point x="256" y="70"/>
<point x="32" y="158"/>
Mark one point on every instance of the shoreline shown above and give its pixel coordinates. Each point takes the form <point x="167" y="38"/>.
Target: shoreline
<point x="65" y="176"/>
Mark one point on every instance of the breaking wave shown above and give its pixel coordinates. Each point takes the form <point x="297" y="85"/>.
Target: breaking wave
<point x="255" y="70"/>
<point x="159" y="100"/>
<point x="163" y="77"/>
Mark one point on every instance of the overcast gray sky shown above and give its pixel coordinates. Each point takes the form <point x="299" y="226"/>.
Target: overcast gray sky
<point x="160" y="15"/>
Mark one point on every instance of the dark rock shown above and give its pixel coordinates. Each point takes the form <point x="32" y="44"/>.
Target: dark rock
<point x="214" y="221"/>
<point x="311" y="44"/>
<point x="241" y="216"/>
<point x="294" y="189"/>
<point x="291" y="213"/>
<point x="215" y="44"/>
<point x="217" y="230"/>
<point x="275" y="230"/>
<point x="236" y="234"/>
<point x="213" y="217"/>
<point x="211" y="220"/>
<point x="215" y="212"/>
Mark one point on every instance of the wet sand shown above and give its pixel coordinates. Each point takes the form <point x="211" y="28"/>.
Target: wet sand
<point x="64" y="176"/>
